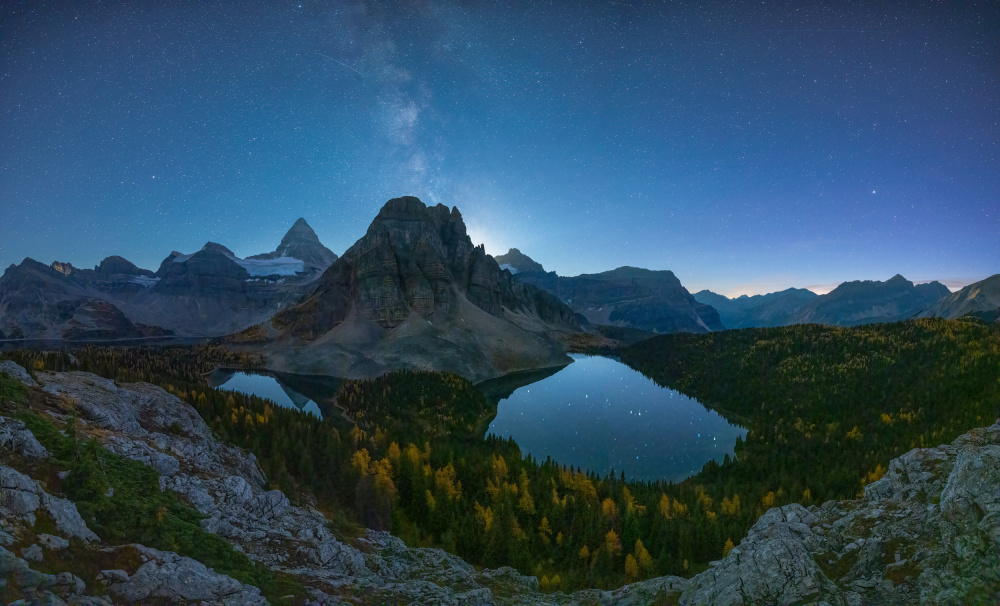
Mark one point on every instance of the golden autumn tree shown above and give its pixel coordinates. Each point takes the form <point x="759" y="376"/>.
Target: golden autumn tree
<point x="613" y="543"/>
<point x="727" y="547"/>
<point x="631" y="568"/>
<point x="642" y="557"/>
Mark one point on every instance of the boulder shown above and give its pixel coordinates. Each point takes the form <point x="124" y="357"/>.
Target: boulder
<point x="167" y="576"/>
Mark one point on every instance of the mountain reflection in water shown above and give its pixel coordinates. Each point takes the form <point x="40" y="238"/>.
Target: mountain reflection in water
<point x="290" y="391"/>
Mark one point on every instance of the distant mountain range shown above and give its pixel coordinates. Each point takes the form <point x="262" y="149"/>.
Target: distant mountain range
<point x="772" y="309"/>
<point x="850" y="304"/>
<point x="415" y="292"/>
<point x="654" y="301"/>
<point x="211" y="292"/>
<point x="976" y="298"/>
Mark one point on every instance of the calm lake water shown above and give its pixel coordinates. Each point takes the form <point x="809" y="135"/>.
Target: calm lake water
<point x="599" y="414"/>
<point x="264" y="386"/>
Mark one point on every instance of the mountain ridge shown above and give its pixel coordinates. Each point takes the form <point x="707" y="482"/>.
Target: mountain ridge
<point x="981" y="296"/>
<point x="210" y="292"/>
<point x="645" y="299"/>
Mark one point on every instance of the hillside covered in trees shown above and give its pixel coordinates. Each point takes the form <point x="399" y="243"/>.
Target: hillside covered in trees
<point x="826" y="409"/>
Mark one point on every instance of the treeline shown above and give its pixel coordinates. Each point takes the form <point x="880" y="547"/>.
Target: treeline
<point x="826" y="408"/>
<point x="152" y="364"/>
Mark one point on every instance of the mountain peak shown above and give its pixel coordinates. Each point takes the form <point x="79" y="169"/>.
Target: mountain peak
<point x="300" y="231"/>
<point x="301" y="242"/>
<point x="518" y="262"/>
<point x="120" y="265"/>
<point x="897" y="278"/>
<point x="215" y="247"/>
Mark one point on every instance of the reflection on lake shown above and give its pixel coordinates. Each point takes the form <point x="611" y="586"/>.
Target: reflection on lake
<point x="264" y="386"/>
<point x="599" y="414"/>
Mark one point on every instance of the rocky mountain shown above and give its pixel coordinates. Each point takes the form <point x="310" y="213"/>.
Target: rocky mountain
<point x="210" y="292"/>
<point x="414" y="292"/>
<point x="927" y="532"/>
<point x="772" y="309"/>
<point x="864" y="302"/>
<point x="515" y="261"/>
<point x="982" y="296"/>
<point x="653" y="301"/>
<point x="301" y="243"/>
<point x="60" y="302"/>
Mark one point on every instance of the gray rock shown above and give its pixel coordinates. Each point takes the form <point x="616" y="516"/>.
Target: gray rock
<point x="54" y="543"/>
<point x="168" y="576"/>
<point x="32" y="553"/>
<point x="22" y="497"/>
<point x="17" y="372"/>
<point x="15" y="437"/>
<point x="21" y="576"/>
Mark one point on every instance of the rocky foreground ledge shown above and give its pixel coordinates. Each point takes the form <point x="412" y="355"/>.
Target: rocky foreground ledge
<point x="927" y="532"/>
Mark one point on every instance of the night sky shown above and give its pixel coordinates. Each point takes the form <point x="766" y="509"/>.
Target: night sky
<point x="748" y="147"/>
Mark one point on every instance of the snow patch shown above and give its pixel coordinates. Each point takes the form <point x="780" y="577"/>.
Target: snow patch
<point x="144" y="281"/>
<point x="282" y="266"/>
<point x="509" y="268"/>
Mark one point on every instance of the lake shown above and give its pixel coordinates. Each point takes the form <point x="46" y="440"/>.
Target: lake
<point x="600" y="415"/>
<point x="266" y="385"/>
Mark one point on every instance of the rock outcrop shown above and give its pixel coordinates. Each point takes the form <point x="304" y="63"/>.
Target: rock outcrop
<point x="927" y="532"/>
<point x="415" y="292"/>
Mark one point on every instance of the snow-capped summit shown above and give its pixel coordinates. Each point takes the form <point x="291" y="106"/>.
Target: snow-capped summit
<point x="301" y="242"/>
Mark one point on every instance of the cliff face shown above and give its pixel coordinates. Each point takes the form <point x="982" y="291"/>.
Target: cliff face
<point x="927" y="532"/>
<point x="412" y="287"/>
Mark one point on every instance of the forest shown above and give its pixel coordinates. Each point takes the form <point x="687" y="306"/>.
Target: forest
<point x="826" y="409"/>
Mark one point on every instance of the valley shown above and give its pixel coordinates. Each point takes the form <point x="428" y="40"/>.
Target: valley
<point x="416" y="463"/>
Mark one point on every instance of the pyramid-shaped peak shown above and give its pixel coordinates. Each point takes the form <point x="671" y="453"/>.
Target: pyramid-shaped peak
<point x="898" y="278"/>
<point x="300" y="230"/>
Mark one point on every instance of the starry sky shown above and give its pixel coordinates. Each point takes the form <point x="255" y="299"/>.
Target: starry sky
<point x="748" y="147"/>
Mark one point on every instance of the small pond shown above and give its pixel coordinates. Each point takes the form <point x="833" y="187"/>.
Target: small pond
<point x="600" y="415"/>
<point x="267" y="385"/>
